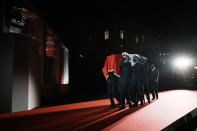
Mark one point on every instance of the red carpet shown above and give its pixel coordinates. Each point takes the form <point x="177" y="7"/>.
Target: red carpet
<point x="95" y="115"/>
<point x="171" y="106"/>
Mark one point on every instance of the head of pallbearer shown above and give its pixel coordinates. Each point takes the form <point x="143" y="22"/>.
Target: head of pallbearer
<point x="125" y="57"/>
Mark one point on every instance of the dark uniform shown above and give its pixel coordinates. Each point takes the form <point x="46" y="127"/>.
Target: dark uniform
<point x="144" y="80"/>
<point x="124" y="81"/>
<point x="112" y="82"/>
<point x="132" y="88"/>
<point x="153" y="81"/>
<point x="138" y="93"/>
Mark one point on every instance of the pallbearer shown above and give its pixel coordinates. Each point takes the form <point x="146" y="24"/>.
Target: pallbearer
<point x="137" y="95"/>
<point x="132" y="92"/>
<point x="125" y="69"/>
<point x="153" y="80"/>
<point x="111" y="71"/>
<point x="144" y="77"/>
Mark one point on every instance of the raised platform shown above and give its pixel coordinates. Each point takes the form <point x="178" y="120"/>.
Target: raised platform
<point x="96" y="115"/>
<point x="170" y="106"/>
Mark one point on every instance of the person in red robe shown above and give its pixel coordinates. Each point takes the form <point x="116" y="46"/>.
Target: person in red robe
<point x="111" y="72"/>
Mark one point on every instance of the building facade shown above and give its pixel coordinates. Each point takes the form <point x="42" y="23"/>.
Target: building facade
<point x="34" y="61"/>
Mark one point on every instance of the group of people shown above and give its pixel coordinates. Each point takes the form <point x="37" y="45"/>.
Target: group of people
<point x="129" y="77"/>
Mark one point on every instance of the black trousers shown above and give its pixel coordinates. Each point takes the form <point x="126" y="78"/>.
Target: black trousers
<point x="112" y="86"/>
<point x="136" y="89"/>
<point x="146" y="88"/>
<point x="124" y="85"/>
<point x="154" y="89"/>
<point x="147" y="91"/>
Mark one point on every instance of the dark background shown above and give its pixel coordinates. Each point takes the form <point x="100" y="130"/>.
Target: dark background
<point x="80" y="23"/>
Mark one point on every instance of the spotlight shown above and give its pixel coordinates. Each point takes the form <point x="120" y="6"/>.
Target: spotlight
<point x="195" y="67"/>
<point x="182" y="62"/>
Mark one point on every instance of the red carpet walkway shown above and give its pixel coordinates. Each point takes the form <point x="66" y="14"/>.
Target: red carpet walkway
<point x="171" y="106"/>
<point x="96" y="115"/>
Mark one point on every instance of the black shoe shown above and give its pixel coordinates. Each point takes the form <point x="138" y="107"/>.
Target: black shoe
<point x="157" y="97"/>
<point x="153" y="98"/>
<point x="130" y="105"/>
<point x="135" y="103"/>
<point x="148" y="100"/>
<point x="112" y="105"/>
<point x="141" y="102"/>
<point x="122" y="107"/>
